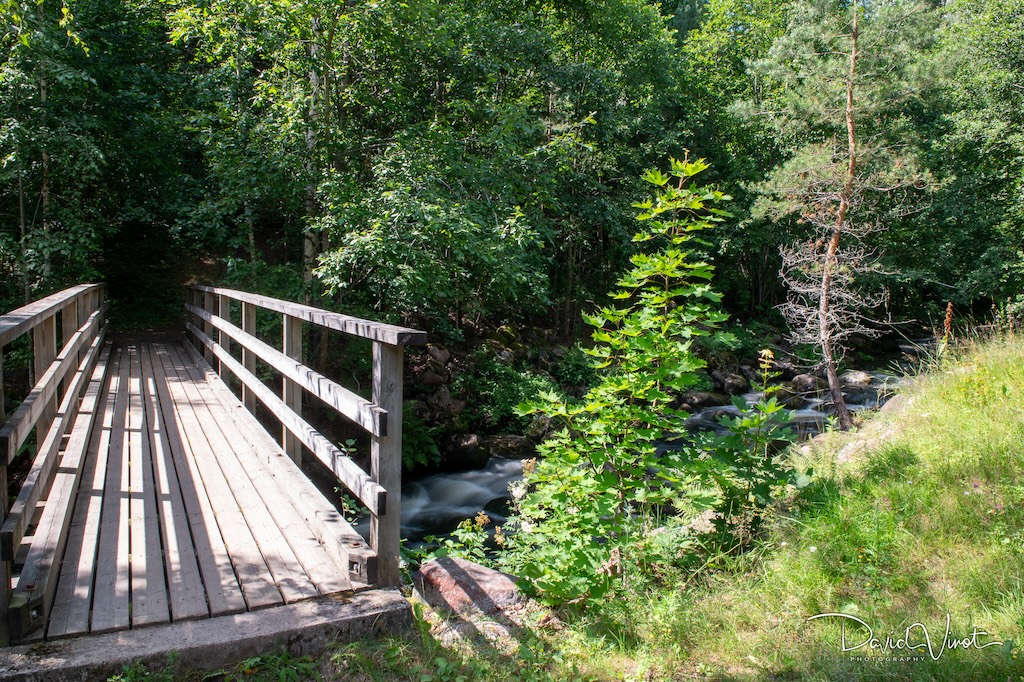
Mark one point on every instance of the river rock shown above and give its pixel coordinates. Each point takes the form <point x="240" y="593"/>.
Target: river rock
<point x="505" y="334"/>
<point x="504" y="356"/>
<point x="789" y="397"/>
<point x="808" y="383"/>
<point x="440" y="354"/>
<point x="860" y="395"/>
<point x="509" y="447"/>
<point x="466" y="451"/>
<point x="693" y="399"/>
<point x="732" y="383"/>
<point x="433" y="374"/>
<point x="463" y="587"/>
<point x="539" y="428"/>
<point x="856" y="378"/>
<point x="443" y="402"/>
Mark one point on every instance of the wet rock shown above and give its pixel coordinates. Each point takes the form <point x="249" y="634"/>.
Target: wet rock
<point x="860" y="395"/>
<point x="808" y="383"/>
<point x="465" y="588"/>
<point x="789" y="397"/>
<point x="752" y="374"/>
<point x="466" y="451"/>
<point x="702" y="399"/>
<point x="440" y="354"/>
<point x="509" y="447"/>
<point x="856" y="378"/>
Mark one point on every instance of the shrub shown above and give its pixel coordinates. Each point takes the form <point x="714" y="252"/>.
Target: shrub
<point x="580" y="524"/>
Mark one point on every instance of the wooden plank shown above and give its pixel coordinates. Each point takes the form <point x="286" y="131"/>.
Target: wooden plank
<point x="284" y="566"/>
<point x="361" y="411"/>
<point x="291" y="392"/>
<point x="367" y="329"/>
<point x="344" y="545"/>
<point x="21" y="320"/>
<point x="149" y="587"/>
<point x="257" y="584"/>
<point x="358" y="482"/>
<point x="17" y="428"/>
<point x="111" y="592"/>
<point x="34" y="595"/>
<point x="223" y="593"/>
<point x="38" y="479"/>
<point x="386" y="462"/>
<point x="319" y="565"/>
<point x="72" y="603"/>
<point x="184" y="582"/>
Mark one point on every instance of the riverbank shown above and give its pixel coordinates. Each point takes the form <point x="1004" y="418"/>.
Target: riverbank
<point x="916" y="518"/>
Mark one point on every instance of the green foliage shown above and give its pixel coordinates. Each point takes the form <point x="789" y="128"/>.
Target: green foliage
<point x="496" y="389"/>
<point x="601" y="476"/>
<point x="575" y="368"/>
<point x="418" y="445"/>
<point x="277" y="667"/>
<point x="467" y="541"/>
<point x="139" y="672"/>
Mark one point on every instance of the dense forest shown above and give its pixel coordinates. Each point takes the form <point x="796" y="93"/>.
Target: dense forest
<point x="445" y="162"/>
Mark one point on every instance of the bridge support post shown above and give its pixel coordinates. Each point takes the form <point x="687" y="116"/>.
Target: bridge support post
<point x="291" y="391"/>
<point x="248" y="357"/>
<point x="386" y="461"/>
<point x="224" y="311"/>
<point x="44" y="342"/>
<point x="208" y="306"/>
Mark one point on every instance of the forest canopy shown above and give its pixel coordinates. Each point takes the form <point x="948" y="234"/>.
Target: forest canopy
<point x="438" y="162"/>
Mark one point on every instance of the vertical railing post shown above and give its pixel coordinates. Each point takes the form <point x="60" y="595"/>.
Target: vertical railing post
<point x="291" y="391"/>
<point x="386" y="460"/>
<point x="5" y="565"/>
<point x="44" y="341"/>
<point x="208" y="306"/>
<point x="68" y="327"/>
<point x="223" y="312"/>
<point x="248" y="357"/>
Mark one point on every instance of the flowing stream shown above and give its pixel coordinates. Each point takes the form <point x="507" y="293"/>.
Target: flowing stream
<point x="434" y="505"/>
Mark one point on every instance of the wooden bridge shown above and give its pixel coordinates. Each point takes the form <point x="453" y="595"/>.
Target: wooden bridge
<point x="152" y="494"/>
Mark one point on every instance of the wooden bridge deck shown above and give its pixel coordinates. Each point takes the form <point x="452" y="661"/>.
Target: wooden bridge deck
<point x="186" y="507"/>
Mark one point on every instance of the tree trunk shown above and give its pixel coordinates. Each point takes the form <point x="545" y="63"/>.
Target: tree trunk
<point x="831" y="256"/>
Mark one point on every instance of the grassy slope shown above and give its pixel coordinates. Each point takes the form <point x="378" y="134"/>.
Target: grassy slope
<point x="926" y="520"/>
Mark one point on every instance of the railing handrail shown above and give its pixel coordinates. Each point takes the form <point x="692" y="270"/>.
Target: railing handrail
<point x="62" y="367"/>
<point x="25" y="318"/>
<point x="380" y="417"/>
<point x="390" y="334"/>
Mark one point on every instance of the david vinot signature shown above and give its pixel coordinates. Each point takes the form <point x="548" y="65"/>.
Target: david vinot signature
<point x="915" y="637"/>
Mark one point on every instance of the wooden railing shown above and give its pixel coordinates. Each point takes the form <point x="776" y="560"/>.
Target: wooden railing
<point x="380" y="416"/>
<point x="67" y="331"/>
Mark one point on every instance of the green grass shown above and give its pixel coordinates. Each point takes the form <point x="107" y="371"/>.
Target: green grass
<point x="925" y="521"/>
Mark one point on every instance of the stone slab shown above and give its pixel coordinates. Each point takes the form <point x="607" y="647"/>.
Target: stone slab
<point x="305" y="628"/>
<point x="463" y="587"/>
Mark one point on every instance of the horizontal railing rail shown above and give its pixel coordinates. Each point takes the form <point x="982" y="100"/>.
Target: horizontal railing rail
<point x="380" y="415"/>
<point x="67" y="330"/>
